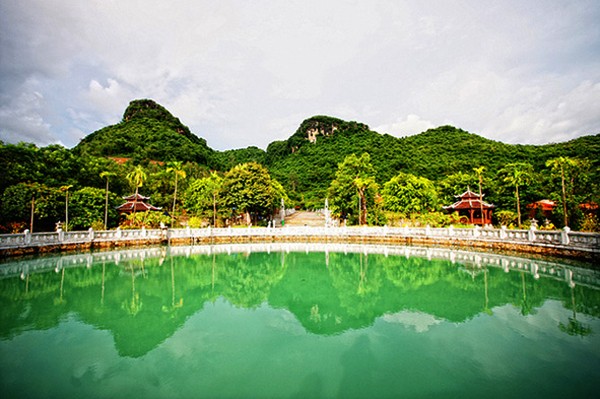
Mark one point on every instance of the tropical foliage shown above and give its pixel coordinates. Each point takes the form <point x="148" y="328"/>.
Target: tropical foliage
<point x="411" y="177"/>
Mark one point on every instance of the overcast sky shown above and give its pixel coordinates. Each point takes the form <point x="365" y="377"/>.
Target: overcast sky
<point x="242" y="73"/>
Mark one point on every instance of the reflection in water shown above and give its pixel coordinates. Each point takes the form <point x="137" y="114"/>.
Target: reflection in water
<point x="356" y="296"/>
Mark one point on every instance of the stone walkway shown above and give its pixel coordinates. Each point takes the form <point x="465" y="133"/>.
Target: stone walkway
<point x="303" y="218"/>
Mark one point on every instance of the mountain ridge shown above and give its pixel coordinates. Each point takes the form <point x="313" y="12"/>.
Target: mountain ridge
<point x="306" y="162"/>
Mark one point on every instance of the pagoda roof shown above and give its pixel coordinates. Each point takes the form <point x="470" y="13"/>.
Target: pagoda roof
<point x="545" y="204"/>
<point x="136" y="197"/>
<point x="139" y="207"/>
<point x="469" y="195"/>
<point x="136" y="203"/>
<point x="469" y="200"/>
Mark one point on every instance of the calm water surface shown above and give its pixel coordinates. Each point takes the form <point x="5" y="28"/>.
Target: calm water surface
<point x="297" y="321"/>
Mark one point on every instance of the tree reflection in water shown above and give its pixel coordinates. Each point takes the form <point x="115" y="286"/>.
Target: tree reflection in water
<point x="328" y="292"/>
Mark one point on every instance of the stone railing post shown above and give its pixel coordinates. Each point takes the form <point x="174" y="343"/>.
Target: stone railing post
<point x="476" y="232"/>
<point x="503" y="234"/>
<point x="118" y="233"/>
<point x="427" y="231"/>
<point x="91" y="234"/>
<point x="564" y="236"/>
<point x="143" y="232"/>
<point x="61" y="235"/>
<point x="451" y="231"/>
<point x="27" y="238"/>
<point x="531" y="233"/>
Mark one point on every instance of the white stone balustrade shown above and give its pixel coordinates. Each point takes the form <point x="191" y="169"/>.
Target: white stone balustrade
<point x="558" y="238"/>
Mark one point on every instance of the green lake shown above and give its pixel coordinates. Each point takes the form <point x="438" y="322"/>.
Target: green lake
<point x="298" y="321"/>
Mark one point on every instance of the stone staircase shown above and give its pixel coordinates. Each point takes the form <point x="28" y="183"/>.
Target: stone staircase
<point x="304" y="218"/>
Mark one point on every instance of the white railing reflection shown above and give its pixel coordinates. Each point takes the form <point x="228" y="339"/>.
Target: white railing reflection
<point x="474" y="262"/>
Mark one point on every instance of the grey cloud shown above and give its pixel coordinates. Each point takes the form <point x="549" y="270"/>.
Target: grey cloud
<point x="240" y="73"/>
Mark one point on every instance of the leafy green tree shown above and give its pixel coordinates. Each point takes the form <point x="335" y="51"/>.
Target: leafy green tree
<point x="407" y="193"/>
<point x="452" y="185"/>
<point x="566" y="168"/>
<point x="88" y="207"/>
<point x="517" y="175"/>
<point x="28" y="202"/>
<point x="354" y="180"/>
<point x="249" y="188"/>
<point x="202" y="196"/>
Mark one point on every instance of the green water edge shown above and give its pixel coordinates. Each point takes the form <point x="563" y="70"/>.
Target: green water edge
<point x="295" y="320"/>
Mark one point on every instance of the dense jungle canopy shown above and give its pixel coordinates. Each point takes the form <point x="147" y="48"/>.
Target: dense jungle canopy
<point x="303" y="166"/>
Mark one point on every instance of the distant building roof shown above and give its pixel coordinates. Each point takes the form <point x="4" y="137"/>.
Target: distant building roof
<point x="136" y="203"/>
<point x="545" y="205"/>
<point x="469" y="200"/>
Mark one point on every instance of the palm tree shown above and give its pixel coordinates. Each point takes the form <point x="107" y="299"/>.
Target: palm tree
<point x="479" y="171"/>
<point x="560" y="164"/>
<point x="137" y="177"/>
<point x="177" y="168"/>
<point x="517" y="174"/>
<point x="107" y="175"/>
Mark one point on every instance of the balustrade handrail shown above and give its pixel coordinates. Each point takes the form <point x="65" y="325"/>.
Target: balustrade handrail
<point x="561" y="238"/>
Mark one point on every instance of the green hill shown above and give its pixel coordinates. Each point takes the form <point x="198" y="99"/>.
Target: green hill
<point x="306" y="162"/>
<point x="147" y="132"/>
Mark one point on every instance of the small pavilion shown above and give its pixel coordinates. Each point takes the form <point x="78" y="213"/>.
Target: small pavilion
<point x="545" y="206"/>
<point x="136" y="203"/>
<point x="470" y="205"/>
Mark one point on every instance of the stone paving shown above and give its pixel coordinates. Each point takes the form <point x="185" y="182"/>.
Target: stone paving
<point x="303" y="218"/>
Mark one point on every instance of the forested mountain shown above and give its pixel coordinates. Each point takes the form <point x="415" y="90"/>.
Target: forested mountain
<point x="306" y="162"/>
<point x="305" y="165"/>
<point x="148" y="132"/>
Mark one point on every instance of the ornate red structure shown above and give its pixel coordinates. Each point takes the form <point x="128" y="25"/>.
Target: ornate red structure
<point x="545" y="206"/>
<point x="470" y="206"/>
<point x="136" y="203"/>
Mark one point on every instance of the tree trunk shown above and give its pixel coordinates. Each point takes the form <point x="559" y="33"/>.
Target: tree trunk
<point x="175" y="195"/>
<point x="518" y="205"/>
<point x="106" y="207"/>
<point x="362" y="218"/>
<point x="564" y="195"/>
<point x="214" y="210"/>
<point x="481" y="203"/>
<point x="32" y="212"/>
<point x="67" y="211"/>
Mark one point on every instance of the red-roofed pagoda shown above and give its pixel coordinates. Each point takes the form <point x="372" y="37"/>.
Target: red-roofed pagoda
<point x="470" y="205"/>
<point x="136" y="203"/>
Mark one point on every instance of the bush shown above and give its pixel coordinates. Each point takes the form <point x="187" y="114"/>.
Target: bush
<point x="146" y="219"/>
<point x="590" y="223"/>
<point x="506" y="218"/>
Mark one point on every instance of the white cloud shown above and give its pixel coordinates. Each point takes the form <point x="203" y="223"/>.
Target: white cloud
<point x="21" y="120"/>
<point x="239" y="73"/>
<point x="411" y="124"/>
<point x="421" y="322"/>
